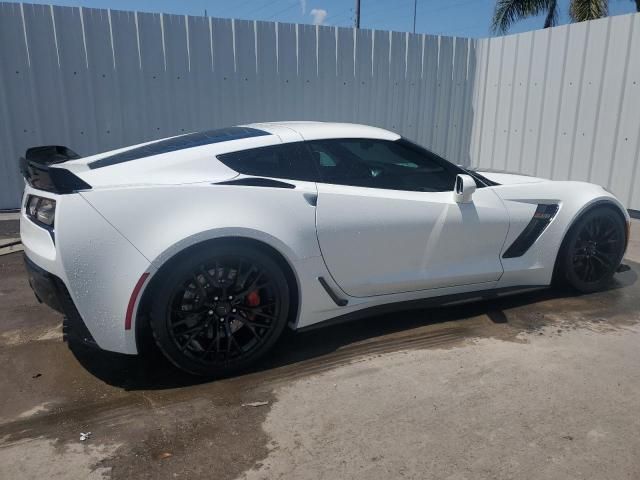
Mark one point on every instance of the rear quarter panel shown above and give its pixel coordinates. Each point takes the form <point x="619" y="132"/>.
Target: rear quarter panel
<point x="163" y="220"/>
<point x="96" y="263"/>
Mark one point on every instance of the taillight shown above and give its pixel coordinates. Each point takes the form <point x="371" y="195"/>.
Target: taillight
<point x="41" y="210"/>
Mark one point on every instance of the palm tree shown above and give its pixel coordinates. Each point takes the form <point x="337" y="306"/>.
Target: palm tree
<point x="508" y="12"/>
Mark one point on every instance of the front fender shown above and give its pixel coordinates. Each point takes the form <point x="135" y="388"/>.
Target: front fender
<point x="537" y="265"/>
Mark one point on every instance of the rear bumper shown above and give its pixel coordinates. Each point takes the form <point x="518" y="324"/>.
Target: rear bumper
<point x="51" y="291"/>
<point x="44" y="285"/>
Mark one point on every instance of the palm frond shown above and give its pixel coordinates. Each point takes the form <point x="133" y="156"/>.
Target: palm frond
<point x="581" y="10"/>
<point x="508" y="12"/>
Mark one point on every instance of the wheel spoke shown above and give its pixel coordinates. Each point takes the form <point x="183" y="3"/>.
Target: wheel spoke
<point x="607" y="235"/>
<point x="196" y="329"/>
<point x="237" y="277"/>
<point x="255" y="324"/>
<point x="237" y="345"/>
<point x="200" y="288"/>
<point x="211" y="345"/>
<point x="253" y="286"/>
<point x="256" y="309"/>
<point x="189" y="318"/>
<point x="217" y="341"/>
<point x="254" y="321"/>
<point x="244" y="278"/>
<point x="250" y="325"/>
<point x="264" y="315"/>
<point x="212" y="281"/>
<point x="193" y="335"/>
<point x="231" y="341"/>
<point x="603" y="259"/>
<point x="587" y="270"/>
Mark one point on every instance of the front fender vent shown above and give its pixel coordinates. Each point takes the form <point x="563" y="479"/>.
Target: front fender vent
<point x="541" y="219"/>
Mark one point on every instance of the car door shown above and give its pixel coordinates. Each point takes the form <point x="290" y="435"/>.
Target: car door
<point x="387" y="221"/>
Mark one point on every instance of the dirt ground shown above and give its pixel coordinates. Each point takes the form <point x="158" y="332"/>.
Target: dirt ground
<point x="536" y="386"/>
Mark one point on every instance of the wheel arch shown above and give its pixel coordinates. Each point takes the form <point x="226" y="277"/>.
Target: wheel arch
<point x="142" y="327"/>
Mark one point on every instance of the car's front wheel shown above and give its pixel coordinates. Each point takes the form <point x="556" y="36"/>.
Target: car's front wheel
<point x="593" y="250"/>
<point x="220" y="309"/>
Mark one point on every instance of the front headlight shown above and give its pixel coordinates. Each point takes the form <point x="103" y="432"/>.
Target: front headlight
<point x="41" y="210"/>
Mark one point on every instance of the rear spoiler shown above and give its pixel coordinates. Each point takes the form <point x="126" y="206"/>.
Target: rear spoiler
<point x="35" y="167"/>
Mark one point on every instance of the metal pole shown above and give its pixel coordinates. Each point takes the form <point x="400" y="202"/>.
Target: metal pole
<point x="415" y="9"/>
<point x="357" y="14"/>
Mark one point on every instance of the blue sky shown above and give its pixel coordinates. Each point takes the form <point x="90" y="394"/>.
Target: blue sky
<point x="467" y="18"/>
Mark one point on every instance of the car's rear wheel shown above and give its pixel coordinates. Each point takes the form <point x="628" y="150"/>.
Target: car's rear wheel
<point x="220" y="309"/>
<point x="593" y="250"/>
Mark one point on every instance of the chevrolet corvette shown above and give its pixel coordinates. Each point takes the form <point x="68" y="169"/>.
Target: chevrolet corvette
<point x="212" y="243"/>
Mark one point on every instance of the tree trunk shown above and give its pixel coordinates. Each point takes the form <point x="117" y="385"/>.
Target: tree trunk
<point x="551" y="18"/>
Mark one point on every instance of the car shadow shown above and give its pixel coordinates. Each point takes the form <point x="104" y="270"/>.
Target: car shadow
<point x="313" y="348"/>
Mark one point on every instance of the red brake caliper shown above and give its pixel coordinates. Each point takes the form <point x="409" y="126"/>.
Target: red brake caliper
<point x="252" y="300"/>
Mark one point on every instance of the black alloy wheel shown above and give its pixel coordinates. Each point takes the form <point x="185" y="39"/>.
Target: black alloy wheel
<point x="593" y="249"/>
<point x="220" y="310"/>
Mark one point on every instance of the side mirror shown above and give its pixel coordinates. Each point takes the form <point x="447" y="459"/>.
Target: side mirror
<point x="463" y="191"/>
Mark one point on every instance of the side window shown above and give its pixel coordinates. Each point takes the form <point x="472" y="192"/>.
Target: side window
<point x="287" y="161"/>
<point x="381" y="164"/>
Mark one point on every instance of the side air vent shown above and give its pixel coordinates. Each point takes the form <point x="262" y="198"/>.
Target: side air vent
<point x="341" y="302"/>
<point x="541" y="218"/>
<point x="257" y="182"/>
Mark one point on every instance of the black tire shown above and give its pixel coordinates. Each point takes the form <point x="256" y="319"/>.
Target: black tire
<point x="592" y="250"/>
<point x="220" y="309"/>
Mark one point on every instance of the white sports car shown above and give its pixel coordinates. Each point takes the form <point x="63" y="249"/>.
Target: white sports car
<point x="215" y="241"/>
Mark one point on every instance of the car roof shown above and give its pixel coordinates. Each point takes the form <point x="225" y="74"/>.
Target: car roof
<point x="191" y="158"/>
<point x="229" y="139"/>
<point x="313" y="130"/>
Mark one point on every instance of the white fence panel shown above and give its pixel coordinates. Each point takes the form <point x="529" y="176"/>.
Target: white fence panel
<point x="561" y="103"/>
<point x="565" y="102"/>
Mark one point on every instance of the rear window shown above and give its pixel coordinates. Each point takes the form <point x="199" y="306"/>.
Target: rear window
<point x="182" y="142"/>
<point x="287" y="161"/>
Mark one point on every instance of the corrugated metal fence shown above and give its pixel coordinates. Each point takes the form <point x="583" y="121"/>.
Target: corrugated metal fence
<point x="99" y="79"/>
<point x="562" y="103"/>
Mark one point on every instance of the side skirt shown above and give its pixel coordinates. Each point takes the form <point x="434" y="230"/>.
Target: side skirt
<point x="442" y="301"/>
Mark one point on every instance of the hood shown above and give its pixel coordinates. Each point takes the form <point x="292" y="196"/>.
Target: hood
<point x="509" y="178"/>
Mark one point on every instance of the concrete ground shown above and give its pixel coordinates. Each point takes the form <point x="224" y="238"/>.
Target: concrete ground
<point x="9" y="226"/>
<point x="536" y="386"/>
